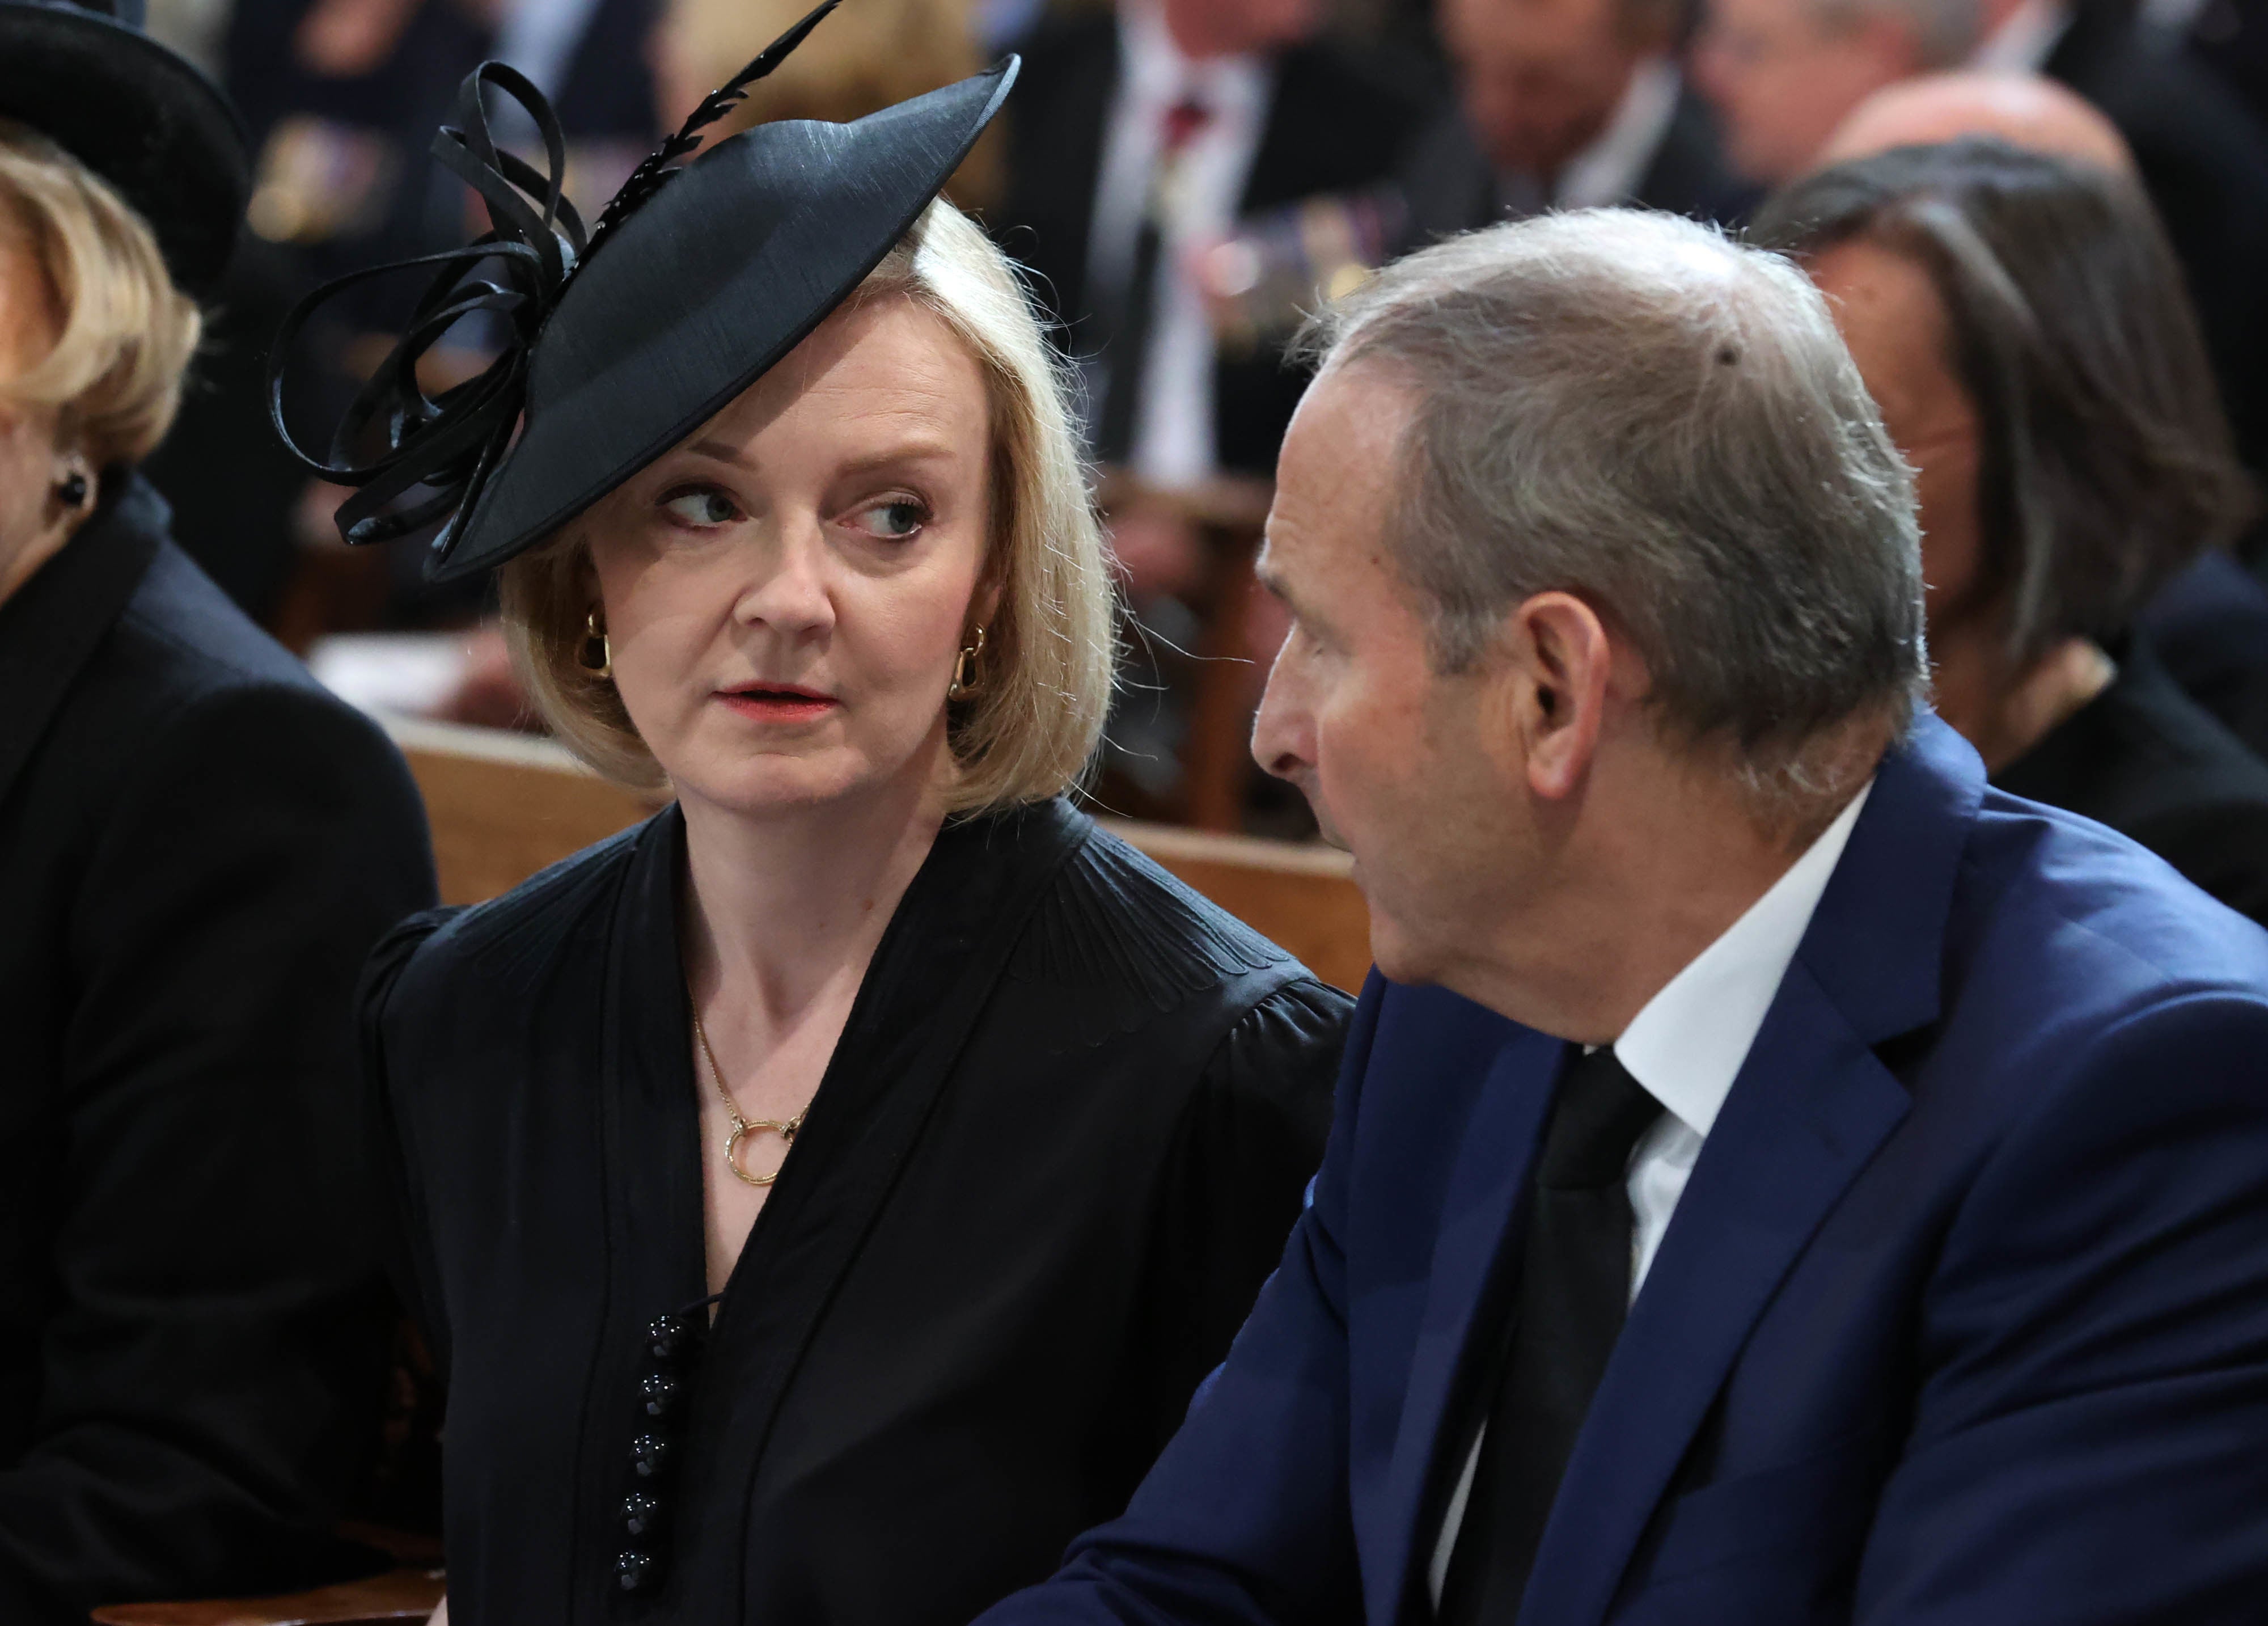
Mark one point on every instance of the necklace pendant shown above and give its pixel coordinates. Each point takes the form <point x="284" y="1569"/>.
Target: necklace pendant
<point x="744" y="1128"/>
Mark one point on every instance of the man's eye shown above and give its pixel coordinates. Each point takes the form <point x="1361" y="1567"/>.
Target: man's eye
<point x="702" y="509"/>
<point x="894" y="521"/>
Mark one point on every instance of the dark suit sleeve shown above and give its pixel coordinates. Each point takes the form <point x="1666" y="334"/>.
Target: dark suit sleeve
<point x="1245" y="1522"/>
<point x="211" y="1373"/>
<point x="2090" y="1435"/>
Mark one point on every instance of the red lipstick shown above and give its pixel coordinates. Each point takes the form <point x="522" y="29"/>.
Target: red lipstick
<point x="778" y="703"/>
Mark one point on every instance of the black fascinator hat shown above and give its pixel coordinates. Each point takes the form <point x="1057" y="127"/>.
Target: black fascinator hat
<point x="82" y="73"/>
<point x="621" y="342"/>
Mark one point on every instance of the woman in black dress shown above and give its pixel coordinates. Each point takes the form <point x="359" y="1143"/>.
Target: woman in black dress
<point x="823" y="1199"/>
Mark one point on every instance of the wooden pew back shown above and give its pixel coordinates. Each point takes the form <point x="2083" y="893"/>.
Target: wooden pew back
<point x="504" y="805"/>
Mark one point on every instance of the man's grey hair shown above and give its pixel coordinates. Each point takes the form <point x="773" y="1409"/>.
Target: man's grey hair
<point x="1630" y="408"/>
<point x="1946" y="32"/>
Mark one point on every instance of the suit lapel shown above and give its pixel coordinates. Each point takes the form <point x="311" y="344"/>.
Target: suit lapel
<point x="1810" y="1108"/>
<point x="1478" y="1219"/>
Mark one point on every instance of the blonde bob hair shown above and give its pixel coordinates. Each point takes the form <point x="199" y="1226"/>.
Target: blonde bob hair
<point x="125" y="334"/>
<point x="1030" y="725"/>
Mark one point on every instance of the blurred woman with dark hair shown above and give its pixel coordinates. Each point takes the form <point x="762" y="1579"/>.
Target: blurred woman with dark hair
<point x="2021" y="323"/>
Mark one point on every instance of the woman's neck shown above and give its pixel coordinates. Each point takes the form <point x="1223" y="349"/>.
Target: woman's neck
<point x="784" y="908"/>
<point x="2004" y="715"/>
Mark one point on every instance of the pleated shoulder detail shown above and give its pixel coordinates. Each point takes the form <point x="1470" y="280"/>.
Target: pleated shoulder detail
<point x="1115" y="922"/>
<point x="511" y="941"/>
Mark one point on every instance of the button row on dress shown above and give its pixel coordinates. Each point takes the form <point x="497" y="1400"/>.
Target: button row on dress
<point x="669" y="1347"/>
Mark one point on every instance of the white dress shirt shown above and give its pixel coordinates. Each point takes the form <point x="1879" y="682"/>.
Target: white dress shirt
<point x="1609" y="170"/>
<point x="1172" y="429"/>
<point x="2025" y="39"/>
<point x="1685" y="1046"/>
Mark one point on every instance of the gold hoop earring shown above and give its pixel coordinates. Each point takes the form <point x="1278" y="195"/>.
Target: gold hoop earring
<point x="964" y="669"/>
<point x="595" y="634"/>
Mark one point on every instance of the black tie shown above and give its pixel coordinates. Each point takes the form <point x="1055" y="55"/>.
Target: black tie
<point x="1566" y="1312"/>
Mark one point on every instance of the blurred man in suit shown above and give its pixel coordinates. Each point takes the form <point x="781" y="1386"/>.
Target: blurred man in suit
<point x="1141" y="134"/>
<point x="1816" y="1187"/>
<point x="1784" y="73"/>
<point x="1567" y="104"/>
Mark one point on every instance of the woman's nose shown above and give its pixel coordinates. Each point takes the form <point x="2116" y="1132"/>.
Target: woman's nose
<point x="793" y="594"/>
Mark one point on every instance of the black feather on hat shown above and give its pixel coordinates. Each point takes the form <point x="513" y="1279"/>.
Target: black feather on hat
<point x="621" y="342"/>
<point x="83" y="74"/>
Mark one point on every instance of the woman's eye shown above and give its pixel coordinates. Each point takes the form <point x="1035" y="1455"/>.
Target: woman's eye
<point x="894" y="521"/>
<point x="703" y="509"/>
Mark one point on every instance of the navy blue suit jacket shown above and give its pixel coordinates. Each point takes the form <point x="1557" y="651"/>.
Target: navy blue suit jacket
<point x="1963" y="1316"/>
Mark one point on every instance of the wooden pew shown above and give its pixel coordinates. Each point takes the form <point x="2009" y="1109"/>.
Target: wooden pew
<point x="382" y="1600"/>
<point x="504" y="805"/>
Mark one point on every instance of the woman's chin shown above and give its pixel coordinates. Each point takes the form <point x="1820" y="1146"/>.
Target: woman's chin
<point x="780" y="784"/>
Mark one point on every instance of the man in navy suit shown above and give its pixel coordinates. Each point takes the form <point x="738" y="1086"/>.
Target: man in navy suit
<point x="1785" y="1180"/>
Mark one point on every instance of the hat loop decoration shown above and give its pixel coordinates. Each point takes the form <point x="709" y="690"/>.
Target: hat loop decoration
<point x="450" y="444"/>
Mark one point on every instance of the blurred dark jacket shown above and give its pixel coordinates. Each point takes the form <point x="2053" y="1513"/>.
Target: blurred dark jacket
<point x="198" y="846"/>
<point x="1335" y="125"/>
<point x="1451" y="186"/>
<point x="2204" y="161"/>
<point x="2148" y="761"/>
<point x="2208" y="628"/>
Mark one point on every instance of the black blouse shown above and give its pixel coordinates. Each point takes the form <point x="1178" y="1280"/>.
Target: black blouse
<point x="1057" y="1151"/>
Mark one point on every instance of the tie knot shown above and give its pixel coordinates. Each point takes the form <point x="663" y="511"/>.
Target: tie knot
<point x="1596" y="1120"/>
<point x="1183" y="119"/>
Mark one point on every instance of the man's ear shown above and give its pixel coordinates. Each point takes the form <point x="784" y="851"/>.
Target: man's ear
<point x="1558" y="662"/>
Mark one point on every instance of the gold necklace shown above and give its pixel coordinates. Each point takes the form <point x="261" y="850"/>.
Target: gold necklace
<point x="743" y="1128"/>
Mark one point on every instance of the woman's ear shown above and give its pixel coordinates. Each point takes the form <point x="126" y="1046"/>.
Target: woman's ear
<point x="1558" y="663"/>
<point x="984" y="605"/>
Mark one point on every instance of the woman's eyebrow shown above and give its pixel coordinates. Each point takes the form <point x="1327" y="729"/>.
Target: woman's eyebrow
<point x="913" y="449"/>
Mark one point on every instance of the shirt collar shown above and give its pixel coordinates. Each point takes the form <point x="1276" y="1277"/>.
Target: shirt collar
<point x="1687" y="1045"/>
<point x="2025" y="39"/>
<point x="1610" y="169"/>
<point x="1157" y="75"/>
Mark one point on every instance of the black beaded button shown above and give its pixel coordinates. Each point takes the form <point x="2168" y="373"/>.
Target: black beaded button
<point x="666" y="1336"/>
<point x="634" y="1570"/>
<point x="649" y="1455"/>
<point x="642" y="1513"/>
<point x="658" y="1392"/>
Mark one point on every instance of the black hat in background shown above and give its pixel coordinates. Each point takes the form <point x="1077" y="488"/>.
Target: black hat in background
<point x="145" y="119"/>
<point x="696" y="279"/>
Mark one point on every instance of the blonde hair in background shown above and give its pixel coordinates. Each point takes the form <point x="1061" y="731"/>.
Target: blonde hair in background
<point x="126" y="334"/>
<point x="866" y="56"/>
<point x="1043" y="684"/>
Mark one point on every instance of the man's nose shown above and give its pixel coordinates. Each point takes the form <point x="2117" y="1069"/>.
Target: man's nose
<point x="1279" y="730"/>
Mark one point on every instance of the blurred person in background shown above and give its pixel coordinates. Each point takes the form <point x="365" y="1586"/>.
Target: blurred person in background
<point x="2208" y="625"/>
<point x="2019" y="321"/>
<point x="1567" y="103"/>
<point x="1785" y="73"/>
<point x="1143" y="132"/>
<point x="1142" y="138"/>
<point x="198" y="847"/>
<point x="871" y="54"/>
